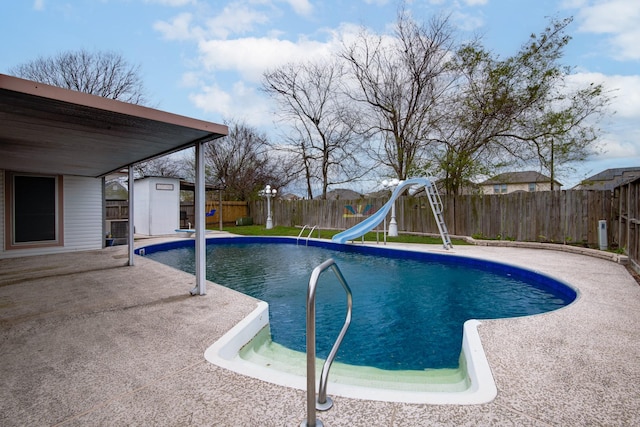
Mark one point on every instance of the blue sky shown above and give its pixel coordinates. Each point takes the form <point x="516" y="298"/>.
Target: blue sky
<point x="204" y="59"/>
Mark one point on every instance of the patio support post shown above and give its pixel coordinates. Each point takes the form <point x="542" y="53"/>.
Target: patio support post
<point x="200" y="225"/>
<point x="130" y="224"/>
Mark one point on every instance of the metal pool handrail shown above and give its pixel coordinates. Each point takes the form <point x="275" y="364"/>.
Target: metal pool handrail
<point x="309" y="235"/>
<point x="311" y="232"/>
<point x="323" y="402"/>
<point x="300" y="234"/>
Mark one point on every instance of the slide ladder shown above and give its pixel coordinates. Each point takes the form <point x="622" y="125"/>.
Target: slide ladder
<point x="436" y="206"/>
<point x="370" y="223"/>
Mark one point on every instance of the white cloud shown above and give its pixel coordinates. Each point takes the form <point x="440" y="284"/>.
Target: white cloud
<point x="573" y="4"/>
<point x="180" y="28"/>
<point x="466" y="19"/>
<point x="467" y="22"/>
<point x="235" y="20"/>
<point x="627" y="96"/>
<point x="38" y="5"/>
<point x="172" y="3"/>
<point x="239" y="101"/>
<point x="620" y="136"/>
<point x="377" y="2"/>
<point x="252" y="56"/>
<point x="626" y="45"/>
<point x="212" y="99"/>
<point x="249" y="58"/>
<point x="301" y="7"/>
<point x="190" y="79"/>
<point x="618" y="18"/>
<point x="609" y="16"/>
<point x="616" y="148"/>
<point x="624" y="91"/>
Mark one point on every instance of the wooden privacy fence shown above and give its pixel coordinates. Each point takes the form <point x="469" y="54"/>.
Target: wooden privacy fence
<point x="231" y="211"/>
<point x="569" y="216"/>
<point x="550" y="216"/>
<point x="628" y="224"/>
<point x="119" y="209"/>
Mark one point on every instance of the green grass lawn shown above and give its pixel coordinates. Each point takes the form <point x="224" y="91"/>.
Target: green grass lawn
<point x="260" y="230"/>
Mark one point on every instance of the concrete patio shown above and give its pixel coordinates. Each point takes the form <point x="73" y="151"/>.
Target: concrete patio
<point x="86" y="340"/>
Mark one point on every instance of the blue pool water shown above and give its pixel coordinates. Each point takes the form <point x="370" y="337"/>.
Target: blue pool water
<point x="408" y="307"/>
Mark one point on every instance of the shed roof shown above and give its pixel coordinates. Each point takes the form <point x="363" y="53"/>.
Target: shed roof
<point x="46" y="129"/>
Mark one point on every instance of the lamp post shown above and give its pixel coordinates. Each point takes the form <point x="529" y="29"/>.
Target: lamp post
<point x="268" y="192"/>
<point x="393" y="225"/>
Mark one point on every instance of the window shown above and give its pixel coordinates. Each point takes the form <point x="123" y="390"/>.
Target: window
<point x="499" y="188"/>
<point x="532" y="186"/>
<point x="34" y="215"/>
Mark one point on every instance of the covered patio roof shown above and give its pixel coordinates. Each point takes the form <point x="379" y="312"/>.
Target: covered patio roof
<point x="46" y="129"/>
<point x="49" y="130"/>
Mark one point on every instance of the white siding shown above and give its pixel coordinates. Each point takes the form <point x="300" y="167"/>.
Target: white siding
<point x="82" y="211"/>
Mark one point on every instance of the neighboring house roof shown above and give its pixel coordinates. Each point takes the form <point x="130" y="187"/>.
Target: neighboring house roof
<point x="114" y="190"/>
<point x="343" y="194"/>
<point x="379" y="194"/>
<point x="288" y="196"/>
<point x="609" y="179"/>
<point x="518" y="178"/>
<point x="47" y="129"/>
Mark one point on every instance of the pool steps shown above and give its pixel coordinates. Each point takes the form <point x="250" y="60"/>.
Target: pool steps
<point x="478" y="384"/>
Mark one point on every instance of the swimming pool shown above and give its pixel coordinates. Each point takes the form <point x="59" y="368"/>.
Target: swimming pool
<point x="409" y="307"/>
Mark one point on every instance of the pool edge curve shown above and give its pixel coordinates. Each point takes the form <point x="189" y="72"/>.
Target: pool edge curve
<point x="225" y="354"/>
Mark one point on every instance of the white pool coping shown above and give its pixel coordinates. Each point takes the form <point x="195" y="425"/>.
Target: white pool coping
<point x="225" y="353"/>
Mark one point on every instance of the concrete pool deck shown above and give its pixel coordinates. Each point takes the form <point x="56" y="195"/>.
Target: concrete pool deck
<point x="86" y="340"/>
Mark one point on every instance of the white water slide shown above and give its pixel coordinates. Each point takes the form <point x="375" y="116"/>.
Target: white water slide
<point x="370" y="223"/>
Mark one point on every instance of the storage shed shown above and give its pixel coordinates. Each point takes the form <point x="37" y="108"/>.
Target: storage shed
<point x="156" y="206"/>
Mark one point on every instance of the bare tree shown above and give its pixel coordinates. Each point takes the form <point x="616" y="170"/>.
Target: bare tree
<point x="243" y="164"/>
<point x="167" y="166"/>
<point x="399" y="81"/>
<point x="105" y="74"/>
<point x="322" y="135"/>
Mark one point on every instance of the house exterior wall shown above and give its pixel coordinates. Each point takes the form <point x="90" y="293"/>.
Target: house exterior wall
<point x="512" y="187"/>
<point x="82" y="218"/>
<point x="157" y="206"/>
<point x="83" y="221"/>
<point x="141" y="207"/>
